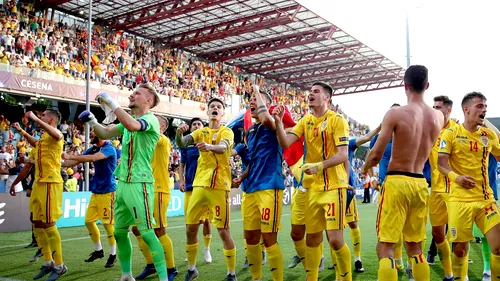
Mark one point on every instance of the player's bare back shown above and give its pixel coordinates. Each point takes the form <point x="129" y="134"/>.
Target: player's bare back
<point x="415" y="129"/>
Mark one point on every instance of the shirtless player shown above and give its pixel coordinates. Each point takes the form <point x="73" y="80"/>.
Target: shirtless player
<point x="403" y="204"/>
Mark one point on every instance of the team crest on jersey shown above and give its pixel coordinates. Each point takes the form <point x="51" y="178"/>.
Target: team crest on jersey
<point x="323" y="125"/>
<point x="214" y="138"/>
<point x="453" y="232"/>
<point x="443" y="144"/>
<point x="484" y="140"/>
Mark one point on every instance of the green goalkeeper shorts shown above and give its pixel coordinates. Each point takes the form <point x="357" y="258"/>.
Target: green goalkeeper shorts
<point x="134" y="205"/>
<point x="476" y="232"/>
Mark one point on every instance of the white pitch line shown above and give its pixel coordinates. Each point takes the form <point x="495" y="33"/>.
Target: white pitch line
<point x="10" y="279"/>
<point x="87" y="237"/>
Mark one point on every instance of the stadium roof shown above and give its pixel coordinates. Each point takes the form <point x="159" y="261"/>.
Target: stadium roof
<point x="278" y="39"/>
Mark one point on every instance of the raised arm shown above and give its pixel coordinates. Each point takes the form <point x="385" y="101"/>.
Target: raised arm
<point x="285" y="139"/>
<point x="31" y="140"/>
<point x="180" y="140"/>
<point x="106" y="132"/>
<point x="53" y="132"/>
<point x="262" y="110"/>
<point x="366" y="138"/>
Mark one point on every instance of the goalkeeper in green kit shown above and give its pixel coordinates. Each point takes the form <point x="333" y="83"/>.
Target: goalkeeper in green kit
<point x="135" y="191"/>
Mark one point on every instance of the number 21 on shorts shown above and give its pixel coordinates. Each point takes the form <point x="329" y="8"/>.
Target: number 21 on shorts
<point x="331" y="210"/>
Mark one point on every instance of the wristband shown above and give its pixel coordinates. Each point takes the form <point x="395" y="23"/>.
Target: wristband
<point x="23" y="132"/>
<point x="92" y="122"/>
<point x="452" y="176"/>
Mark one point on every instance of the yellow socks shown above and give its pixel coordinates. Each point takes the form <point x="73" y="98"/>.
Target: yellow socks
<point x="343" y="257"/>
<point x="313" y="257"/>
<point x="387" y="270"/>
<point x="495" y="266"/>
<point x="207" y="239"/>
<point x="420" y="267"/>
<point x="110" y="230"/>
<point x="94" y="233"/>
<point x="334" y="262"/>
<point x="55" y="244"/>
<point x="191" y="251"/>
<point x="460" y="267"/>
<point x="43" y="243"/>
<point x="275" y="259"/>
<point x="230" y="259"/>
<point x="356" y="241"/>
<point x="146" y="252"/>
<point x="445" y="256"/>
<point x="245" y="244"/>
<point x="300" y="247"/>
<point x="254" y="255"/>
<point x="166" y="243"/>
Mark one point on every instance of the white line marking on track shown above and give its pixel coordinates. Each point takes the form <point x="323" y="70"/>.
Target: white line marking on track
<point x="86" y="237"/>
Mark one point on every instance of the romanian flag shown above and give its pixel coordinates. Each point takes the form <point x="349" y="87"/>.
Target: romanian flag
<point x="292" y="155"/>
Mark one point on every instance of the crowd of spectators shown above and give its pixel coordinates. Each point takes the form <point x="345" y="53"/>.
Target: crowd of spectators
<point x="32" y="41"/>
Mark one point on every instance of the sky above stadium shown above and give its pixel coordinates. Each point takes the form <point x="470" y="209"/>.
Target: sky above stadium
<point x="456" y="40"/>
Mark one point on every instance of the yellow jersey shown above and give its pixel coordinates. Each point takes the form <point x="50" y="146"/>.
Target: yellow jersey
<point x="214" y="170"/>
<point x="469" y="154"/>
<point x="322" y="136"/>
<point x="439" y="182"/>
<point x="48" y="159"/>
<point x="160" y="162"/>
<point x="77" y="141"/>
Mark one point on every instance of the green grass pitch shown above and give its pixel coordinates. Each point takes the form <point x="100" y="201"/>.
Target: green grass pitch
<point x="14" y="265"/>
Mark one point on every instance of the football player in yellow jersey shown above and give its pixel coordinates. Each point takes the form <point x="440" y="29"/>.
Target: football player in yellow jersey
<point x="160" y="164"/>
<point x="326" y="136"/>
<point x="463" y="158"/>
<point x="440" y="190"/>
<point x="46" y="198"/>
<point x="402" y="207"/>
<point x="211" y="185"/>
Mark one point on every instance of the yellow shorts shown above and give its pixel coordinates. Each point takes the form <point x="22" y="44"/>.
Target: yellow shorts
<point x="351" y="215"/>
<point x="160" y="209"/>
<point x="187" y="197"/>
<point x="262" y="210"/>
<point x="46" y="201"/>
<point x="101" y="207"/>
<point x="464" y="214"/>
<point x="216" y="200"/>
<point x="326" y="210"/>
<point x="299" y="206"/>
<point x="438" y="208"/>
<point x="403" y="208"/>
